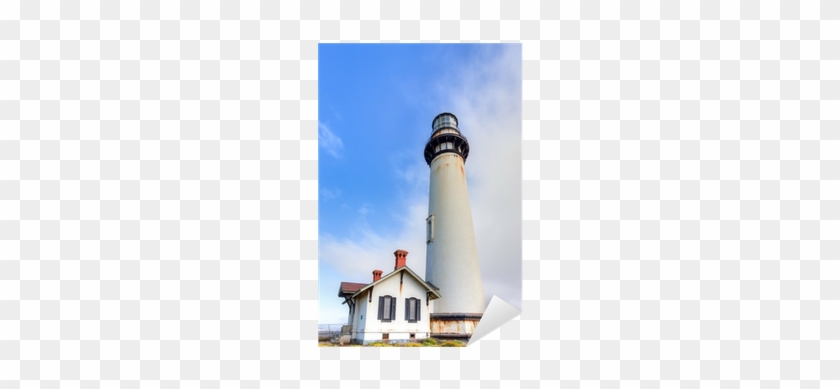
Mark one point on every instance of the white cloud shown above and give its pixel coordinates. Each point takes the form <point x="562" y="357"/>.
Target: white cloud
<point x="356" y="259"/>
<point x="489" y="114"/>
<point x="330" y="142"/>
<point x="365" y="209"/>
<point x="329" y="194"/>
<point x="353" y="260"/>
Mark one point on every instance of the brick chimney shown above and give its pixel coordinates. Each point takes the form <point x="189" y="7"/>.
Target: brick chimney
<point x="377" y="274"/>
<point x="399" y="258"/>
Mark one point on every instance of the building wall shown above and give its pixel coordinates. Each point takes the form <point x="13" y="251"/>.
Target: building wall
<point x="398" y="329"/>
<point x="361" y="312"/>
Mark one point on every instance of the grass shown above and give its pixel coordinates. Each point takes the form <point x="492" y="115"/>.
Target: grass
<point x="452" y="343"/>
<point x="429" y="342"/>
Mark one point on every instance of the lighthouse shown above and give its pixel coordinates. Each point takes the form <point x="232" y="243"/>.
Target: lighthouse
<point x="451" y="254"/>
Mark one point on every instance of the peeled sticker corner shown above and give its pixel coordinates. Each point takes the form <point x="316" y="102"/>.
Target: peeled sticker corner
<point x="498" y="313"/>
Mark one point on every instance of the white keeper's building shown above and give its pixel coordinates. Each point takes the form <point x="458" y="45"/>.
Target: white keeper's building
<point x="392" y="308"/>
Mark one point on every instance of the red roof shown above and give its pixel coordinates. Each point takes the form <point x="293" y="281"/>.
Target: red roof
<point x="349" y="288"/>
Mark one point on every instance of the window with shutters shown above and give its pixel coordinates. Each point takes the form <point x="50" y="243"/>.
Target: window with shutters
<point x="412" y="310"/>
<point x="387" y="308"/>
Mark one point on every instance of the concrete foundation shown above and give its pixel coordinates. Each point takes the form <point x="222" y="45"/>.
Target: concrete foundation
<point x="393" y="337"/>
<point x="454" y="326"/>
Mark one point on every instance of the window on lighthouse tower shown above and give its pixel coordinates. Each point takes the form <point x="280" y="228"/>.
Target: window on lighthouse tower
<point x="430" y="228"/>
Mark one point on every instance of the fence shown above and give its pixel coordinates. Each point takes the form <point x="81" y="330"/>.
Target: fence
<point x="327" y="332"/>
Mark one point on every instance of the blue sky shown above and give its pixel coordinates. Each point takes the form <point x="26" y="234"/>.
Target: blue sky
<point x="376" y="105"/>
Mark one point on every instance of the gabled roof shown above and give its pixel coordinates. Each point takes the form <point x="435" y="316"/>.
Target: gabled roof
<point x="429" y="287"/>
<point x="349" y="288"/>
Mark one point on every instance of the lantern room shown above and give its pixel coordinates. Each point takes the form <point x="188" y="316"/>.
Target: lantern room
<point x="446" y="138"/>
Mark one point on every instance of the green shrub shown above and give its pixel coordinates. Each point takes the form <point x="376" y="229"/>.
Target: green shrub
<point x="452" y="343"/>
<point x="430" y="342"/>
<point x="411" y="344"/>
<point x="325" y="344"/>
<point x="379" y="344"/>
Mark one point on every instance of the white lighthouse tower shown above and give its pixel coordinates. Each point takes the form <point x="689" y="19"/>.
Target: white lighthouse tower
<point x="451" y="254"/>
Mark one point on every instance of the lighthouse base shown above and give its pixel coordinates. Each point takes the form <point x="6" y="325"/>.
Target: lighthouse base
<point x="454" y="326"/>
